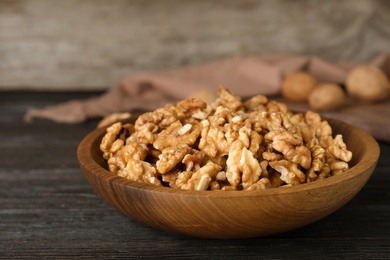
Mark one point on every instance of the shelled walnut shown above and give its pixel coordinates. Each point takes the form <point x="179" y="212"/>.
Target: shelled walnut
<point x="227" y="145"/>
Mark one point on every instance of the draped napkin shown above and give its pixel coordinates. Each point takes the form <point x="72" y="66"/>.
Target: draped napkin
<point x="244" y="76"/>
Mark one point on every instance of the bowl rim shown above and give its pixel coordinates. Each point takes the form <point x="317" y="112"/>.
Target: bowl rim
<point x="369" y="159"/>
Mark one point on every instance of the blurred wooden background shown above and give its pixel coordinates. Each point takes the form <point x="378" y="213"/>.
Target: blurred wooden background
<point x="92" y="44"/>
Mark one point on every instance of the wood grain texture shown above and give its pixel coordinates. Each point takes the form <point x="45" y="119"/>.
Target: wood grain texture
<point x="48" y="210"/>
<point x="231" y="214"/>
<point x="92" y="44"/>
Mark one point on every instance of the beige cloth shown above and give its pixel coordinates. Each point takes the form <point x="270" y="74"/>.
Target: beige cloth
<point x="244" y="76"/>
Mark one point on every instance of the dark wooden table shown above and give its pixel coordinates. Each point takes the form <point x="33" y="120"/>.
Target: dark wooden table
<point x="48" y="210"/>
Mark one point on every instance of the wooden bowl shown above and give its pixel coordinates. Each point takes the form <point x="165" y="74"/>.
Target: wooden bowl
<point x="231" y="214"/>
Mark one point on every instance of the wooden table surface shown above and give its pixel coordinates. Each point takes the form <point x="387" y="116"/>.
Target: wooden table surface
<point x="48" y="210"/>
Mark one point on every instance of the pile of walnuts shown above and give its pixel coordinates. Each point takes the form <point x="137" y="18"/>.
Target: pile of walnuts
<point x="228" y="145"/>
<point x="365" y="83"/>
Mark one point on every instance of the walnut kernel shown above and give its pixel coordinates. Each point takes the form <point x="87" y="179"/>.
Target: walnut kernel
<point x="228" y="145"/>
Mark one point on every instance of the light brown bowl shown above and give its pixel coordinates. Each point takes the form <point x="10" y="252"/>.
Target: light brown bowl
<point x="231" y="214"/>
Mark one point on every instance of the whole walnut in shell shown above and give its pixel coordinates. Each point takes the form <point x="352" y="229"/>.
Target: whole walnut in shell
<point x="298" y="85"/>
<point x="327" y="96"/>
<point x="368" y="83"/>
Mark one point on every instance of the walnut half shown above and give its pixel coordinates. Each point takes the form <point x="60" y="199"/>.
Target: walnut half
<point x="228" y="145"/>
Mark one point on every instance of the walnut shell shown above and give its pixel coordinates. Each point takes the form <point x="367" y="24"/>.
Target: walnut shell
<point x="368" y="83"/>
<point x="327" y="96"/>
<point x="298" y="85"/>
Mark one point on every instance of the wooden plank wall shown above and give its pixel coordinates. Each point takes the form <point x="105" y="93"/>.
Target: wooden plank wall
<point x="92" y="44"/>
